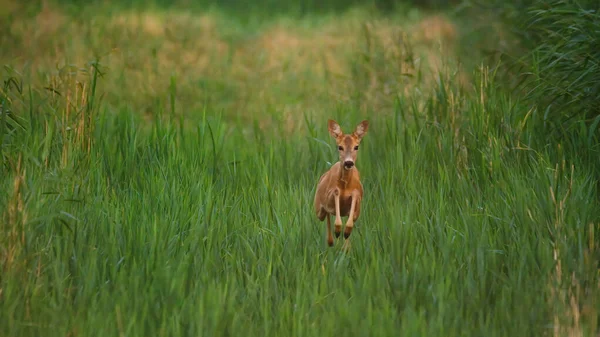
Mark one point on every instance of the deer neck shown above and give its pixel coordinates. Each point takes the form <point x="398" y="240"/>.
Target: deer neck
<point x="345" y="176"/>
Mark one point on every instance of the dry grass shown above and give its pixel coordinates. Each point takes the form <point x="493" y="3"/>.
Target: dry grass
<point x="569" y="298"/>
<point x="284" y="68"/>
<point x="13" y="223"/>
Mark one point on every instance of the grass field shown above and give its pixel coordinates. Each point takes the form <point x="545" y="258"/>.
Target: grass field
<point x="160" y="167"/>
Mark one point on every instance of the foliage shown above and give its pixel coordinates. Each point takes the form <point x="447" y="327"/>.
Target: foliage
<point x="166" y="187"/>
<point x="559" y="64"/>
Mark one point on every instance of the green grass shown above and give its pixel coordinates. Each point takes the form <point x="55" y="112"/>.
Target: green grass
<point x="165" y="200"/>
<point x="552" y="59"/>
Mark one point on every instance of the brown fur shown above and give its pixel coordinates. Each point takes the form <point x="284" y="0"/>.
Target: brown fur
<point x="340" y="184"/>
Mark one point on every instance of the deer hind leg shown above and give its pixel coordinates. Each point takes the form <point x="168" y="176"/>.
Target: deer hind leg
<point x="329" y="236"/>
<point x="357" y="209"/>
<point x="338" y="217"/>
<point x="353" y="215"/>
<point x="321" y="213"/>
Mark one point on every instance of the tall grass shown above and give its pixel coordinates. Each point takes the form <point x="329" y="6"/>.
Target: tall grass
<point x="556" y="61"/>
<point x="198" y="221"/>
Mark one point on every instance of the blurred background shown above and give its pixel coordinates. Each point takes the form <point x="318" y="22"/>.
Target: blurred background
<point x="242" y="57"/>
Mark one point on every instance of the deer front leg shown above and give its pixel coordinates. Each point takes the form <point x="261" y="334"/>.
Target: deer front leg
<point x="338" y="217"/>
<point x="329" y="236"/>
<point x="351" y="215"/>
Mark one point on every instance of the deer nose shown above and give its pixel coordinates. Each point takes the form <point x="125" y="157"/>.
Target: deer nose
<point x="348" y="164"/>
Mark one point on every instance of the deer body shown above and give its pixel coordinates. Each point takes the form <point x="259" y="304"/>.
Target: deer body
<point x="339" y="191"/>
<point x="345" y="182"/>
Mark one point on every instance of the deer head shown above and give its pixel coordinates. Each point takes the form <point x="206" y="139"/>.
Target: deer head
<point x="347" y="144"/>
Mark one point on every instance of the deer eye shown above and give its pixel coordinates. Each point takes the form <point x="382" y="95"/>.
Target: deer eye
<point x="356" y="148"/>
<point x="340" y="148"/>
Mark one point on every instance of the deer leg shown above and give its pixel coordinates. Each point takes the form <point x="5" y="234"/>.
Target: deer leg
<point x="351" y="215"/>
<point x="338" y="217"/>
<point x="329" y="236"/>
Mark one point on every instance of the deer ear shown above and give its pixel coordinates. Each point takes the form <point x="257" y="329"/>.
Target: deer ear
<point x="361" y="129"/>
<point x="334" y="128"/>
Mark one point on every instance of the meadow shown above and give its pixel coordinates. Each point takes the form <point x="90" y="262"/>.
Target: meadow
<point x="159" y="164"/>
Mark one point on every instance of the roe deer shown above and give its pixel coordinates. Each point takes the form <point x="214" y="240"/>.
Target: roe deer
<point x="339" y="191"/>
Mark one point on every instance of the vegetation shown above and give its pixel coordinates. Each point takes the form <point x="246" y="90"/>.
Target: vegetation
<point x="160" y="165"/>
<point x="556" y="69"/>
